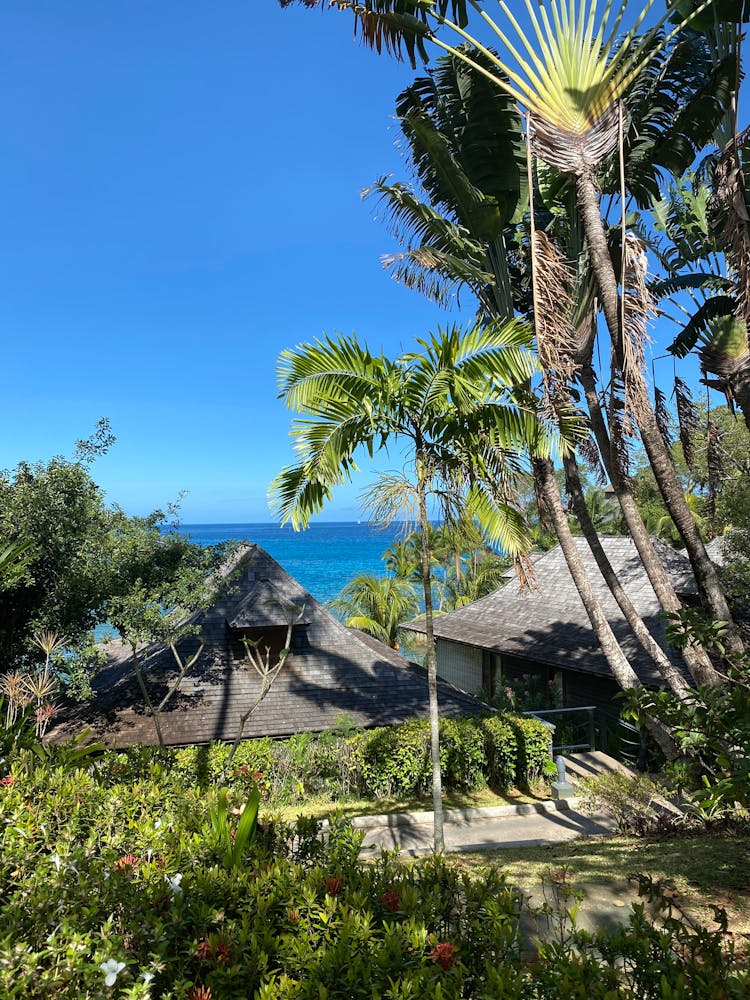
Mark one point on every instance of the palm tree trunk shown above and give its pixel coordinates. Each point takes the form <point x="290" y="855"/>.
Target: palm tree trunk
<point x="431" y="664"/>
<point x="696" y="658"/>
<point x="666" y="668"/>
<point x="658" y="455"/>
<point x="621" y="669"/>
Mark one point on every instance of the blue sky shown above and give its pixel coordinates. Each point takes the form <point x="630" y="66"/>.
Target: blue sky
<point x="180" y="186"/>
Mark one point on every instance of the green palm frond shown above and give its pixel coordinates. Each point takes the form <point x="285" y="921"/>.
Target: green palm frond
<point x="698" y="328"/>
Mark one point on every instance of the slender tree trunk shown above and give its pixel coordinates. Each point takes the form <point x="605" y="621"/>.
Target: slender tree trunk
<point x="621" y="669"/>
<point x="658" y="455"/>
<point x="696" y="658"/>
<point x="431" y="664"/>
<point x="666" y="668"/>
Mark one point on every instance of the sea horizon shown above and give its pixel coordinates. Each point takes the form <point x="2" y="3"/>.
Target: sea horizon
<point x="323" y="557"/>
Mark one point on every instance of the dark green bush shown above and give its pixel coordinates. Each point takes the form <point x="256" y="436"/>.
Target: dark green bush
<point x="499" y="751"/>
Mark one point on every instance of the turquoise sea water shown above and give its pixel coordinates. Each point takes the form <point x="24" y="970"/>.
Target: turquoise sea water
<point x="323" y="558"/>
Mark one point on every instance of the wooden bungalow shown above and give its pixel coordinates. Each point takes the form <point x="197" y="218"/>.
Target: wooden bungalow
<point x="545" y="632"/>
<point x="332" y="673"/>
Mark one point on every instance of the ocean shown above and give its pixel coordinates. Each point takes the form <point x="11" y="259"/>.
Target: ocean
<point x="323" y="559"/>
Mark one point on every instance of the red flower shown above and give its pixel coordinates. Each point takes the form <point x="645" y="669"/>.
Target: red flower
<point x="334" y="885"/>
<point x="222" y="953"/>
<point x="257" y="775"/>
<point x="7" y="780"/>
<point x="204" y="951"/>
<point x="444" y="954"/>
<point x="127" y="863"/>
<point x="391" y="900"/>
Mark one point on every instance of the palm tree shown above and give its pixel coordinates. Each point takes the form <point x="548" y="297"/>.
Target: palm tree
<point x="571" y="74"/>
<point x="402" y="559"/>
<point x="453" y="404"/>
<point x="377" y="605"/>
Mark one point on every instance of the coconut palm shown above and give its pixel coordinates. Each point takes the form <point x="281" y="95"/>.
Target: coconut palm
<point x="452" y="404"/>
<point x="377" y="605"/>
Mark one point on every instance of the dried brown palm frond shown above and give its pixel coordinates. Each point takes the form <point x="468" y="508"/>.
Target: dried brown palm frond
<point x="687" y="418"/>
<point x="638" y="308"/>
<point x="729" y="209"/>
<point x="525" y="572"/>
<point x="589" y="452"/>
<point x="556" y="336"/>
<point x="663" y="416"/>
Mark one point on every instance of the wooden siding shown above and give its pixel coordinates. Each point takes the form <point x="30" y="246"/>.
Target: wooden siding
<point x="460" y="665"/>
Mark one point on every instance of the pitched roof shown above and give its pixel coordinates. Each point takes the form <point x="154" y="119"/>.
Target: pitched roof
<point x="332" y="671"/>
<point x="549" y="625"/>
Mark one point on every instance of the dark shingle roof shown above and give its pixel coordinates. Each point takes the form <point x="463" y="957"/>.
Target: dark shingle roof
<point x="332" y="672"/>
<point x="550" y="625"/>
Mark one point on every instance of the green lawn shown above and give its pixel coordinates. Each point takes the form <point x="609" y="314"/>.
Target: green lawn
<point x="322" y="808"/>
<point x="703" y="869"/>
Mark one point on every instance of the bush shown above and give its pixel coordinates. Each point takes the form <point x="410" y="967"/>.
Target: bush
<point x="499" y="751"/>
<point x="628" y="799"/>
<point x="116" y="890"/>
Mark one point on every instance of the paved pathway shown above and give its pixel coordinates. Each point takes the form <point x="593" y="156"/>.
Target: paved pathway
<point x="529" y="825"/>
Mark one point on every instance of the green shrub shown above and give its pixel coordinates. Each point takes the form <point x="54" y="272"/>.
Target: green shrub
<point x="113" y="889"/>
<point x="501" y="751"/>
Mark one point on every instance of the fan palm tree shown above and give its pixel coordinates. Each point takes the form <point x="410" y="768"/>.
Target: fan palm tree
<point x="377" y="605"/>
<point x="454" y="406"/>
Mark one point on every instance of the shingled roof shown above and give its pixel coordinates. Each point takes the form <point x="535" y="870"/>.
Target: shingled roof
<point x="332" y="672"/>
<point x="549" y="625"/>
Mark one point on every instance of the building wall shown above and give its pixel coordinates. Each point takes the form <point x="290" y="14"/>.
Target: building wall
<point x="460" y="665"/>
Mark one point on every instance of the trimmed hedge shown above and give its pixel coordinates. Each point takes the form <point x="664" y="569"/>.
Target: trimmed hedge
<point x="495" y="751"/>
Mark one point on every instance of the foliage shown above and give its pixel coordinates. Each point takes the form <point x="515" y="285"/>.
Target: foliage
<point x="628" y="799"/>
<point x="502" y="751"/>
<point x="109" y="888"/>
<point x="711" y="725"/>
<point x="377" y="605"/>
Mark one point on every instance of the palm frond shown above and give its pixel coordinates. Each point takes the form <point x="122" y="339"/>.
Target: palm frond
<point x="698" y="327"/>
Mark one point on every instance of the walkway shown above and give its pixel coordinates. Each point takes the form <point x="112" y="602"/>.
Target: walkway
<point x="528" y="825"/>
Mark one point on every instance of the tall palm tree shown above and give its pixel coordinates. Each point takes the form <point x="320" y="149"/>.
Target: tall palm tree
<point x="571" y="73"/>
<point x="454" y="406"/>
<point x="377" y="605"/>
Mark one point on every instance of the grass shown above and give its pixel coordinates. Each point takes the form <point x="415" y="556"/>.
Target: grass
<point x="705" y="870"/>
<point x="324" y="807"/>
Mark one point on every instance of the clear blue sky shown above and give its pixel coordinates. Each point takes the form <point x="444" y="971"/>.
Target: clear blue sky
<point x="180" y="186"/>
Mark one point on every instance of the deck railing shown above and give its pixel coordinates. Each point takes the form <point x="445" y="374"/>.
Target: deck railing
<point x="587" y="727"/>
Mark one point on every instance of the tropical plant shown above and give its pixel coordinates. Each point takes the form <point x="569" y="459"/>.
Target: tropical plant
<point x="572" y="75"/>
<point x="377" y="605"/>
<point x="454" y="404"/>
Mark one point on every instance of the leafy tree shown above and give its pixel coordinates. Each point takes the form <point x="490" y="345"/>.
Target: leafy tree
<point x="453" y="403"/>
<point x="58" y="509"/>
<point x="377" y="605"/>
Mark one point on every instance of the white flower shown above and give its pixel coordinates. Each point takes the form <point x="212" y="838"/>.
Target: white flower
<point x="147" y="976"/>
<point x="174" y="883"/>
<point x="111" y="970"/>
<point x="56" y="861"/>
